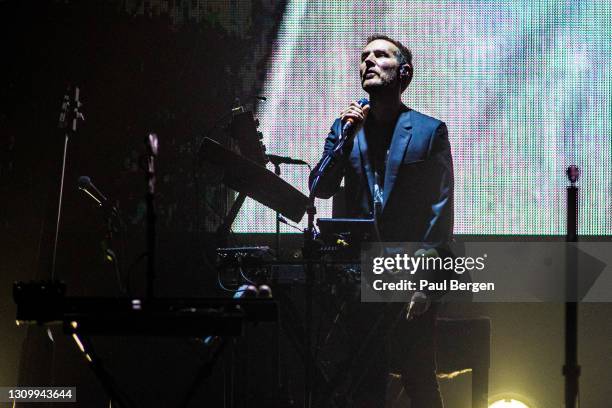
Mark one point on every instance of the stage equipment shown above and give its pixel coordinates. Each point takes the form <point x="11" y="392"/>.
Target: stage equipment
<point x="243" y="130"/>
<point x="114" y="224"/>
<point x="309" y="251"/>
<point x="249" y="177"/>
<point x="67" y="123"/>
<point x="333" y="275"/>
<point x="152" y="147"/>
<point x="46" y="303"/>
<point x="237" y="168"/>
<point x="277" y="161"/>
<point x="244" y="134"/>
<point x="244" y="256"/>
<point x="346" y="235"/>
<point x="92" y="191"/>
<point x="571" y="369"/>
<point x="253" y="180"/>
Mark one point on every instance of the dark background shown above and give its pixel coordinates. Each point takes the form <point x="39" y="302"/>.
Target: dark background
<point x="140" y="69"/>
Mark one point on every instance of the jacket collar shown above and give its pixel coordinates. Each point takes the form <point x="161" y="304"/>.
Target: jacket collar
<point x="399" y="143"/>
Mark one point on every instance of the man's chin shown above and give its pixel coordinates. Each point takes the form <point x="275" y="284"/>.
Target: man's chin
<point x="372" y="87"/>
<point x="374" y="81"/>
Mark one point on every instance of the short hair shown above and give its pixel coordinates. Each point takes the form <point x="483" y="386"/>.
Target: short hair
<point x="404" y="56"/>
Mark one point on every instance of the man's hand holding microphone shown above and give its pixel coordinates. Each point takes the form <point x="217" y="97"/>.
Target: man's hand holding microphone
<point x="352" y="119"/>
<point x="355" y="114"/>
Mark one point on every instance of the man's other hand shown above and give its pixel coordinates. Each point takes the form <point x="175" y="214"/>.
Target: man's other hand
<point x="419" y="304"/>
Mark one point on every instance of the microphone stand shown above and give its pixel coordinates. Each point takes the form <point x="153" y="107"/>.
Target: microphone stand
<point x="277" y="171"/>
<point x="309" y="258"/>
<point x="276" y="163"/>
<point x="116" y="258"/>
<point x="67" y="112"/>
<point x="309" y="246"/>
<point x="111" y="215"/>
<point x="152" y="148"/>
<point x="571" y="369"/>
<point x="285" y="397"/>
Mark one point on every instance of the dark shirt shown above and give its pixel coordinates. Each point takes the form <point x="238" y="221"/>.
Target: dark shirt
<point x="379" y="140"/>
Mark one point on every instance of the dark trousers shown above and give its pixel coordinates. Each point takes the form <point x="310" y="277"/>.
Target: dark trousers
<point x="403" y="347"/>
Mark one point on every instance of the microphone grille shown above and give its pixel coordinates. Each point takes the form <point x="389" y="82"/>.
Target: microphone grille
<point x="363" y="102"/>
<point x="84" y="181"/>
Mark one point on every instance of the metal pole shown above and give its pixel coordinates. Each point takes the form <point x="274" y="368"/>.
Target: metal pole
<point x="152" y="145"/>
<point x="571" y="369"/>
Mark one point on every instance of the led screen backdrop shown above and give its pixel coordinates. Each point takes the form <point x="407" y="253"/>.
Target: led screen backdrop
<point x="524" y="87"/>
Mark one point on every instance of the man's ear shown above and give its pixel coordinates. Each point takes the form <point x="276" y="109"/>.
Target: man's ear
<point x="405" y="71"/>
<point x="405" y="74"/>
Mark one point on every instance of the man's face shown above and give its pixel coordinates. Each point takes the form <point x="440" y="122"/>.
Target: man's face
<point x="379" y="67"/>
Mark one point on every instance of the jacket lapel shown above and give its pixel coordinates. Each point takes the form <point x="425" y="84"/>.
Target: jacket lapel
<point x="365" y="161"/>
<point x="399" y="143"/>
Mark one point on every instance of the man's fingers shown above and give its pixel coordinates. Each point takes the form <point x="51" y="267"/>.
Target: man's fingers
<point x="352" y="114"/>
<point x="356" y="107"/>
<point x="365" y="110"/>
<point x="356" y="110"/>
<point x="356" y="113"/>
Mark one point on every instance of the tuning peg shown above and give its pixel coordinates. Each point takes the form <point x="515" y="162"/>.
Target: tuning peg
<point x="260" y="135"/>
<point x="256" y="122"/>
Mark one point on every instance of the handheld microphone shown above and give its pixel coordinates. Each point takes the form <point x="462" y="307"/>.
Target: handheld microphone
<point x="348" y="126"/>
<point x="347" y="133"/>
<point x="90" y="189"/>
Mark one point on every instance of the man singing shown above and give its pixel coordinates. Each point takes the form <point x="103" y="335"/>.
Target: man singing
<point x="398" y="170"/>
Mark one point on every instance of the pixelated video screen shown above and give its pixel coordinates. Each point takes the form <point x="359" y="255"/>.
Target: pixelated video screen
<point x="524" y="87"/>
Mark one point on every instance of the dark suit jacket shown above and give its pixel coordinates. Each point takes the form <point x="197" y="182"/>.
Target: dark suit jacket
<point x="418" y="185"/>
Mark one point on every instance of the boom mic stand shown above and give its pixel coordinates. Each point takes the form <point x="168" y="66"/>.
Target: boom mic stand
<point x="276" y="162"/>
<point x="114" y="224"/>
